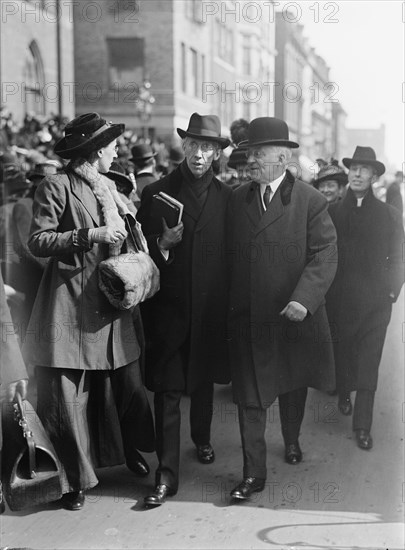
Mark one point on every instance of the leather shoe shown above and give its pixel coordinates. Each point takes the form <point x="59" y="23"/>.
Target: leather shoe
<point x="364" y="439"/>
<point x="158" y="496"/>
<point x="247" y="487"/>
<point x="293" y="453"/>
<point x="345" y="405"/>
<point x="205" y="454"/>
<point x="73" y="501"/>
<point x="138" y="464"/>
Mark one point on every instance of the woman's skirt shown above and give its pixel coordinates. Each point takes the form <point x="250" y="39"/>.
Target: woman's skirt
<point x="94" y="419"/>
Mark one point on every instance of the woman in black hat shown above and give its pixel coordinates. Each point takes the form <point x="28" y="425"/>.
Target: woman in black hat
<point x="90" y="393"/>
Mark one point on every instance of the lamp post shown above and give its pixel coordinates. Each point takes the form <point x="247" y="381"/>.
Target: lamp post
<point x="144" y="105"/>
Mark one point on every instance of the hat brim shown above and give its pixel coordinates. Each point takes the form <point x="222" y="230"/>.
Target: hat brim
<point x="146" y="157"/>
<point x="101" y="140"/>
<point x="379" y="166"/>
<point x="223" y="142"/>
<point x="275" y="142"/>
<point x="341" y="180"/>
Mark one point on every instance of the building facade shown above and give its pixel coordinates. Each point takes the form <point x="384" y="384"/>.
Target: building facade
<point x="152" y="63"/>
<point x="36" y="58"/>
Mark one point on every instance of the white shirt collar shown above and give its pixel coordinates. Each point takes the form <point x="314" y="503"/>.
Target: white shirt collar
<point x="274" y="185"/>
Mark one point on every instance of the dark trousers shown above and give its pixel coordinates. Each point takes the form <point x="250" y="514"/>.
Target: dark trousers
<point x="363" y="410"/>
<point x="167" y="423"/>
<point x="252" y="424"/>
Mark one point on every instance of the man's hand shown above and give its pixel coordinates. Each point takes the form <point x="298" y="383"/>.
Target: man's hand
<point x="170" y="236"/>
<point x="294" y="311"/>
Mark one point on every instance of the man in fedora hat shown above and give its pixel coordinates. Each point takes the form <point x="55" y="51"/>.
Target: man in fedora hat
<point x="143" y="158"/>
<point x="369" y="278"/>
<point x="281" y="253"/>
<point x="185" y="322"/>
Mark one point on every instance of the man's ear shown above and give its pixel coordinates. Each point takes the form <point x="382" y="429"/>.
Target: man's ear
<point x="100" y="153"/>
<point x="217" y="154"/>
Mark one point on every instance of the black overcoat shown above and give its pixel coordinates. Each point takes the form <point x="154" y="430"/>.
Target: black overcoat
<point x="185" y="322"/>
<point x="288" y="253"/>
<point x="370" y="268"/>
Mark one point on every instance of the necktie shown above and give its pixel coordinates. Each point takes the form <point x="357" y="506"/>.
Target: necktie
<point x="266" y="196"/>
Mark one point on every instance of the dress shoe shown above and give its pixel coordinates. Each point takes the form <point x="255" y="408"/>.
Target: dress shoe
<point x="73" y="501"/>
<point x="345" y="405"/>
<point x="364" y="439"/>
<point x="205" y="454"/>
<point x="138" y="464"/>
<point x="293" y="453"/>
<point x="247" y="487"/>
<point x="158" y="496"/>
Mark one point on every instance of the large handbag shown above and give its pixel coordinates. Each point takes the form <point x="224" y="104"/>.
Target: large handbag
<point x="131" y="277"/>
<point x="31" y="471"/>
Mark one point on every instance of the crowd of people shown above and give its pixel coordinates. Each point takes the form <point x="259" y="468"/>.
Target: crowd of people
<point x="266" y="282"/>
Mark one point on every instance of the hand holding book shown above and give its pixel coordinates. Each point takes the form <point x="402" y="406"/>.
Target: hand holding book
<point x="171" y="236"/>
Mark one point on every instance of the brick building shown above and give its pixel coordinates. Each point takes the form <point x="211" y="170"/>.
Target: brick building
<point x="198" y="56"/>
<point x="33" y="68"/>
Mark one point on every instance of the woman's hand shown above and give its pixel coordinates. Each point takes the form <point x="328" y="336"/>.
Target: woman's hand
<point x="107" y="235"/>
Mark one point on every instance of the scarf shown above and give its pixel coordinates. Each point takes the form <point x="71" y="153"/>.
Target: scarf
<point x="107" y="196"/>
<point x="199" y="186"/>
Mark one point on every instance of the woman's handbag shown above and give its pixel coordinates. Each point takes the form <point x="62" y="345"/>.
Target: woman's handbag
<point x="132" y="277"/>
<point x="31" y="471"/>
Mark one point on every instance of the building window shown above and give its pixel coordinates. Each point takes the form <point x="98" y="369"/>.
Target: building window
<point x="194" y="72"/>
<point x="202" y="68"/>
<point x="34" y="80"/>
<point x="246" y="56"/>
<point x="126" y="60"/>
<point x="194" y="10"/>
<point x="224" y="41"/>
<point x="183" y="68"/>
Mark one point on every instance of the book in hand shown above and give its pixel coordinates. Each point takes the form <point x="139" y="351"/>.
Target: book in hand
<point x="167" y="207"/>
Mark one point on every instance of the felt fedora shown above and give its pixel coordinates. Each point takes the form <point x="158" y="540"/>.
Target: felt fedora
<point x="85" y="134"/>
<point x="365" y="155"/>
<point x="331" y="172"/>
<point x="268" y="131"/>
<point x="118" y="176"/>
<point x="205" y="127"/>
<point x="142" y="151"/>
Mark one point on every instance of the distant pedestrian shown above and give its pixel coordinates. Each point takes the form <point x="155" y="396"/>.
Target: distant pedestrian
<point x="330" y="181"/>
<point x="394" y="194"/>
<point x="369" y="279"/>
<point x="143" y="158"/>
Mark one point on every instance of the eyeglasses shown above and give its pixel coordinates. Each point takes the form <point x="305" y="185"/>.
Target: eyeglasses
<point x="205" y="146"/>
<point x="256" y="153"/>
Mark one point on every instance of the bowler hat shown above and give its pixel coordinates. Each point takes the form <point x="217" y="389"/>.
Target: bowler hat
<point x="142" y="151"/>
<point x="238" y="157"/>
<point x="205" y="127"/>
<point x="85" y="134"/>
<point x="118" y="176"/>
<point x="331" y="172"/>
<point x="365" y="155"/>
<point x="176" y="155"/>
<point x="268" y="131"/>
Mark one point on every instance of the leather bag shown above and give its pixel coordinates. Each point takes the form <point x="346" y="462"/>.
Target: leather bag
<point x="31" y="471"/>
<point x="131" y="277"/>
